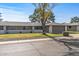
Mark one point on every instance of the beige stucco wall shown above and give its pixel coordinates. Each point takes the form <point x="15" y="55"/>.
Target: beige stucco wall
<point x="2" y="31"/>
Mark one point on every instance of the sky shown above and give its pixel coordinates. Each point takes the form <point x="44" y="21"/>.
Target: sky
<point x="20" y="12"/>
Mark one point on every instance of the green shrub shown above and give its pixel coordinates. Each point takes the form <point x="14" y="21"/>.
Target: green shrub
<point x="65" y="33"/>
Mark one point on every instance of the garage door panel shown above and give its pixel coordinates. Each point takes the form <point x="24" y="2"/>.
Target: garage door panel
<point x="58" y="29"/>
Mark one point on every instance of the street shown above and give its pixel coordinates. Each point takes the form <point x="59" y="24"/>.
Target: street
<point x="35" y="47"/>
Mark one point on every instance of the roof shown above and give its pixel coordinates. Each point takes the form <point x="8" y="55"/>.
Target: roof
<point x="63" y="24"/>
<point x="20" y="24"/>
<point x="32" y="24"/>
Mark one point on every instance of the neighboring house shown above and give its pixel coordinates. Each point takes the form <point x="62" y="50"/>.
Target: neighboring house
<point x="23" y="27"/>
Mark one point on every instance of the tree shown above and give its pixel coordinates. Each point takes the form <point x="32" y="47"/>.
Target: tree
<point x="34" y="18"/>
<point x="43" y="13"/>
<point x="51" y="18"/>
<point x="75" y="19"/>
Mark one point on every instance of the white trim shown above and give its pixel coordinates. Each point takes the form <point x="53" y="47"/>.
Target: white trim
<point x="77" y="28"/>
<point x="50" y="29"/>
<point x="65" y="28"/>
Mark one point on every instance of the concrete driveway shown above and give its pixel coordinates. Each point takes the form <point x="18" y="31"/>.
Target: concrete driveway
<point x="74" y="35"/>
<point x="35" y="47"/>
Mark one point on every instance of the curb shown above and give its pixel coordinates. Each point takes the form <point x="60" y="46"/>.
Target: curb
<point x="24" y="41"/>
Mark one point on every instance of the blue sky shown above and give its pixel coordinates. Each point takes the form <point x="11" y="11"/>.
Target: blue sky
<point x="20" y="11"/>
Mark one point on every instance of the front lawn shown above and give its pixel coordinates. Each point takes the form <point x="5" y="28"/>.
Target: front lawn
<point x="27" y="35"/>
<point x="73" y="32"/>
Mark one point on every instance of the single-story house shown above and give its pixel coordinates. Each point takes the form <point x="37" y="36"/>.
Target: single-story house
<point x="27" y="27"/>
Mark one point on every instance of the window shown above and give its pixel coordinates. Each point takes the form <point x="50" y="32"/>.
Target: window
<point x="38" y="27"/>
<point x="14" y="27"/>
<point x="28" y="28"/>
<point x="19" y="28"/>
<point x="1" y="27"/>
<point x="24" y="28"/>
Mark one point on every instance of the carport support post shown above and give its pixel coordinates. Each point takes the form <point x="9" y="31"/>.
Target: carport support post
<point x="50" y="29"/>
<point x="4" y="28"/>
<point x="66" y="28"/>
<point x="32" y="28"/>
<point x="77" y="27"/>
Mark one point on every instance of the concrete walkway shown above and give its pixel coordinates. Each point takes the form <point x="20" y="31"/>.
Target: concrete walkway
<point x="75" y="35"/>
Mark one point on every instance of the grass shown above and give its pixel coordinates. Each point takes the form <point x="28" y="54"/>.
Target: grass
<point x="73" y="32"/>
<point x="26" y="35"/>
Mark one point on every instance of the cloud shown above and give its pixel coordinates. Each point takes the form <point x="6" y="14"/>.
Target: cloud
<point x="9" y="14"/>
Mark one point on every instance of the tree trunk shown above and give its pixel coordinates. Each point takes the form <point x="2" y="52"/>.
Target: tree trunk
<point x="43" y="28"/>
<point x="43" y="20"/>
